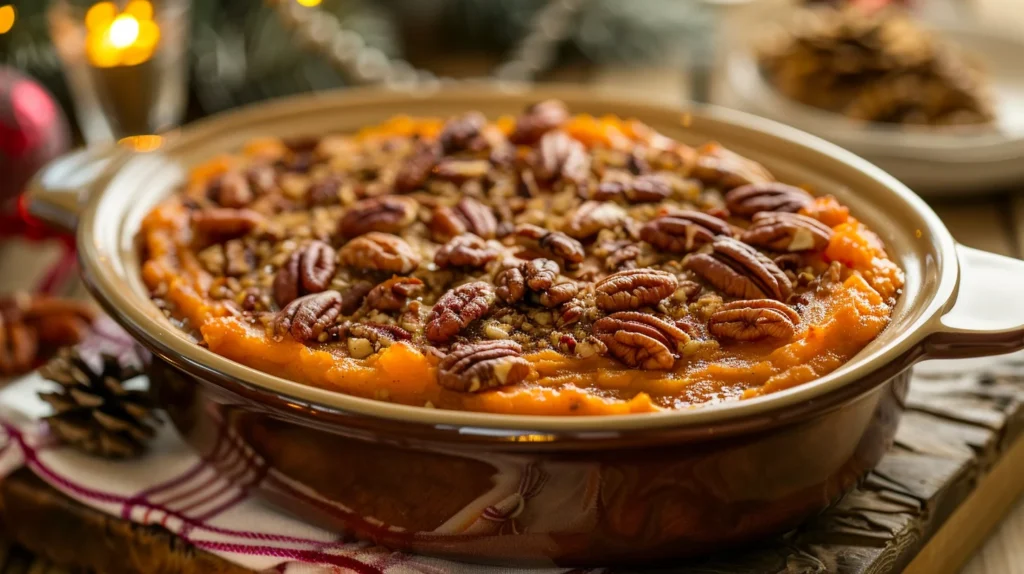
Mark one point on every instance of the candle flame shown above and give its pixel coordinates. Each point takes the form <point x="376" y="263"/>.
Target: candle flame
<point x="123" y="31"/>
<point x="7" y="17"/>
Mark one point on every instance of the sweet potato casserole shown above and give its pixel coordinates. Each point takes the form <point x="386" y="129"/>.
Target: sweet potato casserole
<point x="539" y="264"/>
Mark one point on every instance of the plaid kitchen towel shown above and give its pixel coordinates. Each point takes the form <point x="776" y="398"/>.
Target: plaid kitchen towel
<point x="176" y="488"/>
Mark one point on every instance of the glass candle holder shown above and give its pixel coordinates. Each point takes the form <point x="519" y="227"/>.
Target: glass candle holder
<point x="125" y="63"/>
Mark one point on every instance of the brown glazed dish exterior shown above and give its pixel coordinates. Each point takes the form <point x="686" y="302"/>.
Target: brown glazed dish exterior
<point x="513" y="489"/>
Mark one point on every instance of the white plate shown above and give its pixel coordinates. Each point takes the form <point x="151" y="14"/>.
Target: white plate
<point x="932" y="161"/>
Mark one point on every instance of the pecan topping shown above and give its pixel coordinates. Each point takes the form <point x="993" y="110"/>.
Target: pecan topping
<point x="461" y="132"/>
<point x="593" y="216"/>
<point x="325" y="191"/>
<point x="555" y="243"/>
<point x="787" y="232"/>
<point x="561" y="156"/>
<point x="634" y="288"/>
<point x="461" y="170"/>
<point x="456" y="309"/>
<point x="389" y="214"/>
<point x="309" y="269"/>
<point x="469" y="215"/>
<point x="379" y="251"/>
<point x="719" y="167"/>
<point x="641" y="340"/>
<point x="683" y="231"/>
<point x="231" y="190"/>
<point x="537" y="120"/>
<point x="623" y="258"/>
<point x="648" y="189"/>
<point x="417" y="166"/>
<point x="511" y="285"/>
<point x="352" y="298"/>
<point x="306" y="318"/>
<point x="540" y="274"/>
<point x="557" y="294"/>
<point x="378" y="334"/>
<point x="392" y="294"/>
<point x="481" y="366"/>
<point x="466" y="250"/>
<point x="225" y="222"/>
<point x="740" y="271"/>
<point x="749" y="199"/>
<point x="754" y="320"/>
<point x="238" y="259"/>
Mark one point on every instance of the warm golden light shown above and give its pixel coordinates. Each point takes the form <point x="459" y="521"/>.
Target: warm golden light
<point x="309" y="3"/>
<point x="123" y="31"/>
<point x="7" y="17"/>
<point x="142" y="144"/>
<point x="121" y="39"/>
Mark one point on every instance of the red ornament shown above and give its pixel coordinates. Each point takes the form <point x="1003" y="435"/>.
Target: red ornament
<point x="33" y="131"/>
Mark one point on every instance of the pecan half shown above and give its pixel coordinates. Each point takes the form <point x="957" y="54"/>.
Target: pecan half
<point x="593" y="216"/>
<point x="634" y="288"/>
<point x="231" y="190"/>
<point x="555" y="295"/>
<point x="721" y="168"/>
<point x="456" y="309"/>
<point x="622" y="258"/>
<point x="389" y="214"/>
<point x="225" y="222"/>
<point x="378" y="334"/>
<point x="749" y="199"/>
<point x="787" y="232"/>
<point x="537" y="120"/>
<point x="309" y="269"/>
<point x="379" y="251"/>
<point x="739" y="270"/>
<point x="306" y="318"/>
<point x="326" y="191"/>
<point x="352" y="298"/>
<point x="392" y="294"/>
<point x="468" y="215"/>
<point x="460" y="133"/>
<point x="648" y="189"/>
<point x="754" y="320"/>
<point x="683" y="231"/>
<point x="641" y="340"/>
<point x="555" y="243"/>
<point x="466" y="250"/>
<point x="484" y="365"/>
<point x="561" y="156"/>
<point x="417" y="166"/>
<point x="540" y="274"/>
<point x="511" y="285"/>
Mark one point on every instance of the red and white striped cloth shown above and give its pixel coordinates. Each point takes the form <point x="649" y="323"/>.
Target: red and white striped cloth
<point x="174" y="487"/>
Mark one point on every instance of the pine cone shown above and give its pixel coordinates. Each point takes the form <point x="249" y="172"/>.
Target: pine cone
<point x="93" y="411"/>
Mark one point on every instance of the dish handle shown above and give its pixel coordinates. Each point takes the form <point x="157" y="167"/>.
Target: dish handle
<point x="988" y="315"/>
<point x="57" y="193"/>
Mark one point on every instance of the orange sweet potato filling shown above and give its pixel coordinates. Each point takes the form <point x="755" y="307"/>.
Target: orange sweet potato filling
<point x="837" y="325"/>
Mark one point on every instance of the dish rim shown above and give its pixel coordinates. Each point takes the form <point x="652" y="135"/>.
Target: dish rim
<point x="196" y="360"/>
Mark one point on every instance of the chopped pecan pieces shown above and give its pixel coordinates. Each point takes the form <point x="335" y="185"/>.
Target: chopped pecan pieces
<point x="721" y="168"/>
<point x="456" y="309"/>
<point x="787" y="232"/>
<point x="634" y="288"/>
<point x="309" y="269"/>
<point x="468" y="215"/>
<point x="740" y="271"/>
<point x="466" y="250"/>
<point x="561" y="156"/>
<point x="417" y="166"/>
<point x="381" y="252"/>
<point x="484" y="365"/>
<point x="221" y="223"/>
<point x="389" y="214"/>
<point x="683" y="231"/>
<point x="593" y="216"/>
<point x="537" y="120"/>
<point x="392" y="294"/>
<point x="641" y="340"/>
<point x="306" y="318"/>
<point x="754" y="320"/>
<point x="749" y="199"/>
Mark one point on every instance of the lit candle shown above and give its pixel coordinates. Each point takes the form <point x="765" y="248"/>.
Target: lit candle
<point x="120" y="46"/>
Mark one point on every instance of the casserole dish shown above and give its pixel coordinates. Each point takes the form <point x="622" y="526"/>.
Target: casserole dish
<point x="530" y="489"/>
